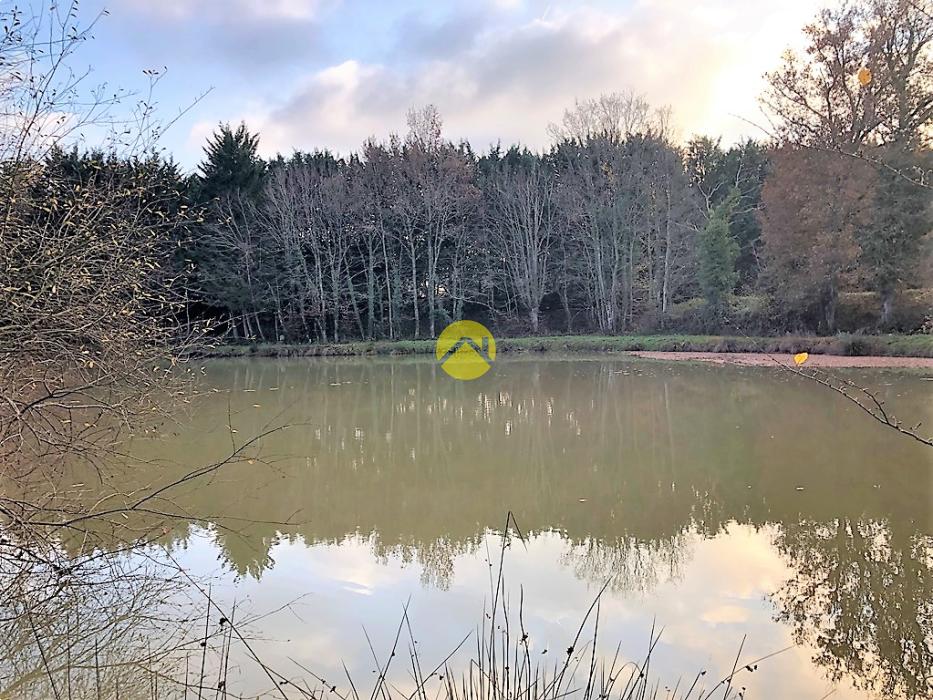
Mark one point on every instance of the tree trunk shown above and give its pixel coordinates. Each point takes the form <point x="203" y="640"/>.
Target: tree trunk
<point x="335" y="293"/>
<point x="565" y="304"/>
<point x="829" y="308"/>
<point x="431" y="285"/>
<point x="431" y="308"/>
<point x="354" y="305"/>
<point x="887" y="308"/>
<point x="371" y="297"/>
<point x="665" y="285"/>
<point x="389" y="273"/>
<point x="414" y="290"/>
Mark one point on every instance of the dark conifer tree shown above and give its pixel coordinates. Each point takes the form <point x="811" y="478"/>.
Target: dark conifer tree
<point x="231" y="164"/>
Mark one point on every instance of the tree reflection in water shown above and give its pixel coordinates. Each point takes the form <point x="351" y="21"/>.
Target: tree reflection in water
<point x="631" y="565"/>
<point x="98" y="624"/>
<point x="630" y="463"/>
<point x="862" y="595"/>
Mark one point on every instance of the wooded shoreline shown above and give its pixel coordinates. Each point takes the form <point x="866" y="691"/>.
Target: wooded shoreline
<point x="905" y="346"/>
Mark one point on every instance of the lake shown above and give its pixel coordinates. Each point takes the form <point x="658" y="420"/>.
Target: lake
<point x="734" y="510"/>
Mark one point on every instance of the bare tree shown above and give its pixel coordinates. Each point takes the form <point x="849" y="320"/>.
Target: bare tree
<point x="425" y="127"/>
<point x="92" y="337"/>
<point x="236" y="265"/>
<point x="288" y="224"/>
<point x="865" y="80"/>
<point x="627" y="222"/>
<point x="814" y="205"/>
<point x="612" y="116"/>
<point x="864" y="90"/>
<point x="520" y="217"/>
<point x="437" y="197"/>
<point x="88" y="292"/>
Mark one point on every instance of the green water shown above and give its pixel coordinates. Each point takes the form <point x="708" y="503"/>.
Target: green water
<point x="720" y="502"/>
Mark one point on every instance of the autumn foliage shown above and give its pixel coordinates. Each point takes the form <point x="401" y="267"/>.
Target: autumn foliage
<point x="814" y="206"/>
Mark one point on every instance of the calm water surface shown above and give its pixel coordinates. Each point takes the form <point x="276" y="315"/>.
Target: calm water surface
<point x="722" y="504"/>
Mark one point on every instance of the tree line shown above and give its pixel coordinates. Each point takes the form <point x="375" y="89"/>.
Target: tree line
<point x="418" y="231"/>
<point x="616" y="227"/>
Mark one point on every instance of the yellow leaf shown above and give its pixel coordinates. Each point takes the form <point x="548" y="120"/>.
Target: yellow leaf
<point x="864" y="76"/>
<point x="800" y="358"/>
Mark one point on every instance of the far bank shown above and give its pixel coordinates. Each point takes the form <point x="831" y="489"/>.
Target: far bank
<point x="845" y="345"/>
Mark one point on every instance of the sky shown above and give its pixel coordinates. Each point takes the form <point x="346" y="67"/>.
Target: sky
<point x="310" y="74"/>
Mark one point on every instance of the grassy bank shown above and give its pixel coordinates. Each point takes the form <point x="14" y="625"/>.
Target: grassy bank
<point x="852" y="345"/>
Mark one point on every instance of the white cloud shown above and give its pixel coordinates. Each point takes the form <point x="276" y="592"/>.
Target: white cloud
<point x="725" y="615"/>
<point x="229" y="9"/>
<point x="509" y="82"/>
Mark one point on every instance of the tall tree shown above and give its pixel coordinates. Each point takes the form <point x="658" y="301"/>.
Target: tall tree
<point x="227" y="251"/>
<point x="815" y="205"/>
<point x="864" y="88"/>
<point x="819" y="98"/>
<point x="626" y="214"/>
<point x="612" y="117"/>
<point x="435" y="208"/>
<point x="520" y="218"/>
<point x="715" y="173"/>
<point x="891" y="252"/>
<point x="717" y="253"/>
<point x="231" y="164"/>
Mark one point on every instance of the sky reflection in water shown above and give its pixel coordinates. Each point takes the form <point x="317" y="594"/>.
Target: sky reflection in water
<point x="722" y="501"/>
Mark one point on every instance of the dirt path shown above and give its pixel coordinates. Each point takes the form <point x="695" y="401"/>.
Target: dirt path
<point x="761" y="359"/>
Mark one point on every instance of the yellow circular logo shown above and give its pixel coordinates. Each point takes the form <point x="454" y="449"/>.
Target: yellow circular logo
<point x="466" y="350"/>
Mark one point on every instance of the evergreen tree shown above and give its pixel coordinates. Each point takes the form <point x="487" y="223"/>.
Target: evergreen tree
<point x="718" y="252"/>
<point x="227" y="250"/>
<point x="890" y="244"/>
<point x="231" y="164"/>
<point x="715" y="174"/>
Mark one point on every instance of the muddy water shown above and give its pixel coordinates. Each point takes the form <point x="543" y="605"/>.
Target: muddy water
<point x="720" y="503"/>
